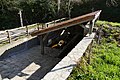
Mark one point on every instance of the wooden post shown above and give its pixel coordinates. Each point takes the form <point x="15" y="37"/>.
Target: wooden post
<point x="59" y="1"/>
<point x="38" y="26"/>
<point x="42" y="44"/>
<point x="99" y="35"/>
<point x="27" y="32"/>
<point x="69" y="10"/>
<point x="60" y="20"/>
<point x="54" y="22"/>
<point x="47" y="25"/>
<point x="90" y="52"/>
<point x="90" y="27"/>
<point x="21" y="19"/>
<point x="9" y="38"/>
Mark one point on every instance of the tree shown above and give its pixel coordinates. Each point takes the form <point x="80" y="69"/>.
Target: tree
<point x="112" y="3"/>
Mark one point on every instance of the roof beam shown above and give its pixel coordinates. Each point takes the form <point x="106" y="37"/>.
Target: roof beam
<point x="68" y="23"/>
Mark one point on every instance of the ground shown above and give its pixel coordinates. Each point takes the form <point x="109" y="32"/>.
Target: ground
<point x="29" y="64"/>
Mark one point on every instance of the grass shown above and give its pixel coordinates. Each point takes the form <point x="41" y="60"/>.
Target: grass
<point x="105" y="60"/>
<point x="106" y="22"/>
<point x="105" y="64"/>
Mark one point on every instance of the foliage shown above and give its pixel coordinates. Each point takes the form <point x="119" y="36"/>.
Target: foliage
<point x="105" y="64"/>
<point x="33" y="11"/>
<point x="105" y="61"/>
<point x="110" y="8"/>
<point x="113" y="24"/>
<point x="37" y="11"/>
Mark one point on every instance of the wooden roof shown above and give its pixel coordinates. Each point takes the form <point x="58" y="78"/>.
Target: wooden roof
<point x="68" y="23"/>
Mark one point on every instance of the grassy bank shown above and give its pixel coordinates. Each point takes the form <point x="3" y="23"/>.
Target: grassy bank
<point x="105" y="60"/>
<point x="105" y="64"/>
<point x="113" y="24"/>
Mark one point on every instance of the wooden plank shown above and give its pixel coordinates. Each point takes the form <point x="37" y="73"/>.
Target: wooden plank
<point x="68" y="23"/>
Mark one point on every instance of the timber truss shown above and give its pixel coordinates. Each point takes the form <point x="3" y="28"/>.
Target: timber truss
<point x="86" y="21"/>
<point x="90" y="17"/>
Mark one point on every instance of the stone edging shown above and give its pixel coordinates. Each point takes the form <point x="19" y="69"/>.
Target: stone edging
<point x="63" y="69"/>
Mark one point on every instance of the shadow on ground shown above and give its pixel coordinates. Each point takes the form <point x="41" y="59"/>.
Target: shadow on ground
<point x="27" y="64"/>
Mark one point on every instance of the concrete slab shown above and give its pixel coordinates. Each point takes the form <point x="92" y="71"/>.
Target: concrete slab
<point x="29" y="65"/>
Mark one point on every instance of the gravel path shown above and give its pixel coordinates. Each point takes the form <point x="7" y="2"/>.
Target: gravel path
<point x="29" y="65"/>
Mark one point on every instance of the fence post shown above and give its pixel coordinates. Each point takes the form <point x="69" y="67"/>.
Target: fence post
<point x="42" y="42"/>
<point x="54" y="22"/>
<point x="47" y="25"/>
<point x="60" y="21"/>
<point x="8" y="36"/>
<point x="27" y="30"/>
<point x="38" y="26"/>
<point x="21" y="19"/>
<point x="90" y="52"/>
<point x="69" y="10"/>
<point x="99" y="35"/>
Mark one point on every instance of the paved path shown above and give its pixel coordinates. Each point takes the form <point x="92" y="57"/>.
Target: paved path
<point x="22" y="30"/>
<point x="15" y="32"/>
<point x="6" y="47"/>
